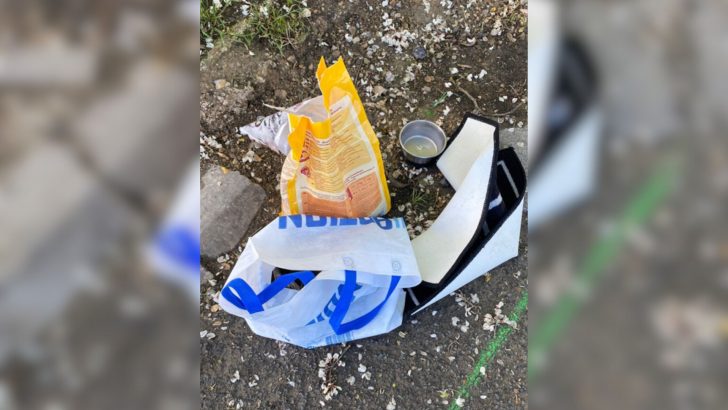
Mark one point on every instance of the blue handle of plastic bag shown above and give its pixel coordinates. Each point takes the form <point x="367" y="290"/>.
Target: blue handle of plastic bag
<point x="347" y="297"/>
<point x="246" y="297"/>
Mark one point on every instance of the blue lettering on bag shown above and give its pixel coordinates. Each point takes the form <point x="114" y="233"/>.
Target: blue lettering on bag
<point x="346" y="221"/>
<point x="315" y="221"/>
<point x="296" y="219"/>
<point x="312" y="221"/>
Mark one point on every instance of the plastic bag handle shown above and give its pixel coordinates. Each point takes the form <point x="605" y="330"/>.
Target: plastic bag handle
<point x="347" y="297"/>
<point x="246" y="298"/>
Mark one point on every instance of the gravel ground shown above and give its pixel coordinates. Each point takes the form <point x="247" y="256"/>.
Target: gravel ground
<point x="474" y="61"/>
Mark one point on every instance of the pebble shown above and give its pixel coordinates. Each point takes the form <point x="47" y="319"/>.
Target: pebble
<point x="419" y="53"/>
<point x="205" y="275"/>
<point x="220" y="84"/>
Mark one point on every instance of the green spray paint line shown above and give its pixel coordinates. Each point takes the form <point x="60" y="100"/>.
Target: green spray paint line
<point x="487" y="355"/>
<point x="604" y="251"/>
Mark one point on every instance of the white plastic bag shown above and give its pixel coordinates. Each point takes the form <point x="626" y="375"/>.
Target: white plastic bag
<point x="479" y="228"/>
<point x="363" y="265"/>
<point x="272" y="131"/>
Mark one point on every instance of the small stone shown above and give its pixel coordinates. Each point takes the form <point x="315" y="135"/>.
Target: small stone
<point x="443" y="182"/>
<point x="280" y="94"/>
<point x="429" y="79"/>
<point x="419" y="53"/>
<point x="378" y="90"/>
<point x="220" y="84"/>
<point x="205" y="275"/>
<point x="389" y="77"/>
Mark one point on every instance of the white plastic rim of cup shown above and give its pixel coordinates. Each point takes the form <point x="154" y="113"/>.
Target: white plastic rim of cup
<point x="422" y="141"/>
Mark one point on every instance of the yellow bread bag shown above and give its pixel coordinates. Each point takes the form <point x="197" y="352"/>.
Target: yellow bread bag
<point x="334" y="167"/>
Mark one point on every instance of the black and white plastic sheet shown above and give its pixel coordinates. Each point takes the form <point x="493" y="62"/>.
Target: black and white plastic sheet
<point x="479" y="228"/>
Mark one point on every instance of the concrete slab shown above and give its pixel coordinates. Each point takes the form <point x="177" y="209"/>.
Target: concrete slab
<point x="229" y="202"/>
